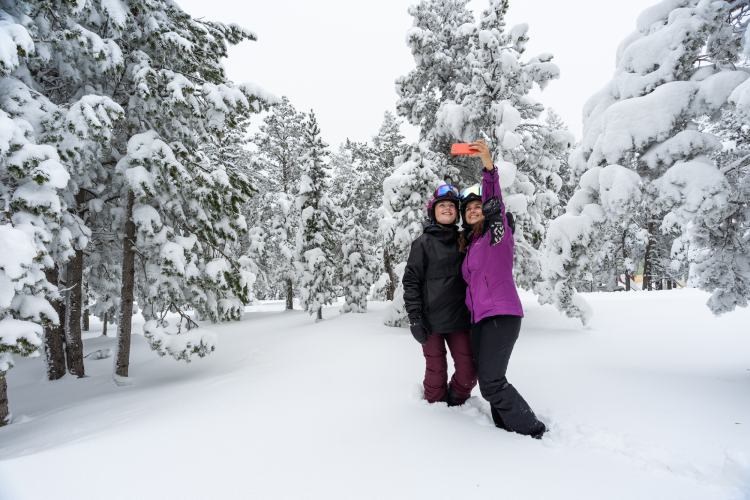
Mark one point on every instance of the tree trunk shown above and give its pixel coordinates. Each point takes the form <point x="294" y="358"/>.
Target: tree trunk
<point x="289" y="294"/>
<point x="612" y="279"/>
<point x="73" y="341"/>
<point x="320" y="313"/>
<point x="388" y="264"/>
<point x="85" y="319"/>
<point x="4" y="410"/>
<point x="54" y="335"/>
<point x="647" y="259"/>
<point x="624" y="258"/>
<point x="125" y="322"/>
<point x="669" y="284"/>
<point x="104" y="324"/>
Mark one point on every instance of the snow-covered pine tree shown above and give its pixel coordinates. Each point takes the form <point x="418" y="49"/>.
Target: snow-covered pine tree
<point x="355" y="176"/>
<point x="105" y="277"/>
<point x="315" y="239"/>
<point x="181" y="213"/>
<point x="721" y="259"/>
<point x="641" y="136"/>
<point x="71" y="66"/>
<point x="280" y="143"/>
<point x="357" y="260"/>
<point x="440" y="41"/>
<point x="356" y="190"/>
<point x="388" y="145"/>
<point x="405" y="193"/>
<point x="31" y="178"/>
<point x="31" y="182"/>
<point x="557" y="126"/>
<point x="82" y="131"/>
<point x="496" y="104"/>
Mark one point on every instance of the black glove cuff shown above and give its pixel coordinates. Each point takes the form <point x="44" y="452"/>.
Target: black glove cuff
<point x="491" y="207"/>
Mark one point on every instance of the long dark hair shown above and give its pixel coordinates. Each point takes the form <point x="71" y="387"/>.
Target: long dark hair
<point x="468" y="234"/>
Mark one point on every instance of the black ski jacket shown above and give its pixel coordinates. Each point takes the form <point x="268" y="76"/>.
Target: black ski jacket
<point x="434" y="289"/>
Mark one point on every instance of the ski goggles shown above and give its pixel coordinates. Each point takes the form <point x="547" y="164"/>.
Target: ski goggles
<point x="445" y="189"/>
<point x="475" y="190"/>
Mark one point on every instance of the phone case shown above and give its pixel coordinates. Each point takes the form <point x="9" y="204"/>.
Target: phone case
<point x="461" y="148"/>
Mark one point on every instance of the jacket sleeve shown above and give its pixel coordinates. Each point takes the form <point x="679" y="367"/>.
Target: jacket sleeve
<point x="493" y="206"/>
<point x="491" y="185"/>
<point x="413" y="280"/>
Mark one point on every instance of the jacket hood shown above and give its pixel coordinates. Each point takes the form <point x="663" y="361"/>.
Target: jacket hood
<point x="444" y="233"/>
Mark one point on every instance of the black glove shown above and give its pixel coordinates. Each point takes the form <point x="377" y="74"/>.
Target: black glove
<point x="493" y="220"/>
<point x="418" y="330"/>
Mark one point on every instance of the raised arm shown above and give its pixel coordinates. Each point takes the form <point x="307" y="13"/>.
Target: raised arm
<point x="490" y="179"/>
<point x="491" y="185"/>
<point x="492" y="198"/>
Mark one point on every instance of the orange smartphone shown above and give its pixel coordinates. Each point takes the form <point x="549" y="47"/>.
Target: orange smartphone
<point x="461" y="148"/>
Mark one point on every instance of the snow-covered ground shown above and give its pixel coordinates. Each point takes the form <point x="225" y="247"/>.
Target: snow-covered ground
<point x="651" y="402"/>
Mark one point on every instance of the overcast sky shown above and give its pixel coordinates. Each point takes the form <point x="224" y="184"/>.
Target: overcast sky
<point x="341" y="57"/>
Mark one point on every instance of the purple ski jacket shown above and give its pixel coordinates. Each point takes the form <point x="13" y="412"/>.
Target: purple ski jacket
<point x="488" y="268"/>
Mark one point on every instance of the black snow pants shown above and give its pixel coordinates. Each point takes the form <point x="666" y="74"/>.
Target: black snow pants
<point x="492" y="341"/>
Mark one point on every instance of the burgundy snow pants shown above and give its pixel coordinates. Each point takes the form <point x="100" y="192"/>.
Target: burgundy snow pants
<point x="464" y="378"/>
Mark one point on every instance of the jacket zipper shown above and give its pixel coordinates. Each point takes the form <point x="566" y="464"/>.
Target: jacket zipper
<point x="468" y="287"/>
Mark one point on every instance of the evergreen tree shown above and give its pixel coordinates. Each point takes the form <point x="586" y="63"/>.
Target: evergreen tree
<point x="721" y="259"/>
<point x="155" y="103"/>
<point x="389" y="145"/>
<point x="280" y="143"/>
<point x="568" y="179"/>
<point x="32" y="180"/>
<point x="358" y="262"/>
<point x="315" y="243"/>
<point x="440" y="41"/>
<point x="641" y="136"/>
<point x="82" y="131"/>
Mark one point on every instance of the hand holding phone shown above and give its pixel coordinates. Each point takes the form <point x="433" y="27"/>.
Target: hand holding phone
<point x="478" y="148"/>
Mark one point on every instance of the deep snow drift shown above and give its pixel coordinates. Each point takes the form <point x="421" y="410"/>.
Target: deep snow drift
<point x="650" y="402"/>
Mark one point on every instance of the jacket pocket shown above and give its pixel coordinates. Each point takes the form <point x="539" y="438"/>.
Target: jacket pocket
<point x="497" y="287"/>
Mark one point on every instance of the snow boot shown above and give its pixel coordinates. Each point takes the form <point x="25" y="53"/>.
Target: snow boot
<point x="497" y="419"/>
<point x="536" y="433"/>
<point x="452" y="399"/>
<point x="539" y="431"/>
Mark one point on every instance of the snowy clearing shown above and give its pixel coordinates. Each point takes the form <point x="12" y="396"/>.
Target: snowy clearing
<point x="650" y="402"/>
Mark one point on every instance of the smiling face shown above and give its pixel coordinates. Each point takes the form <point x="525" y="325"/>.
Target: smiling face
<point x="445" y="212"/>
<point x="473" y="214"/>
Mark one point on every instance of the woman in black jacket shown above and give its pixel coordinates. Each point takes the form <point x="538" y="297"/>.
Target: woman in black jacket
<point x="434" y="297"/>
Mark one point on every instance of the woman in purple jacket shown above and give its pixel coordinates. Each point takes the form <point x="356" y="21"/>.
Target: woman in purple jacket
<point x="492" y="298"/>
